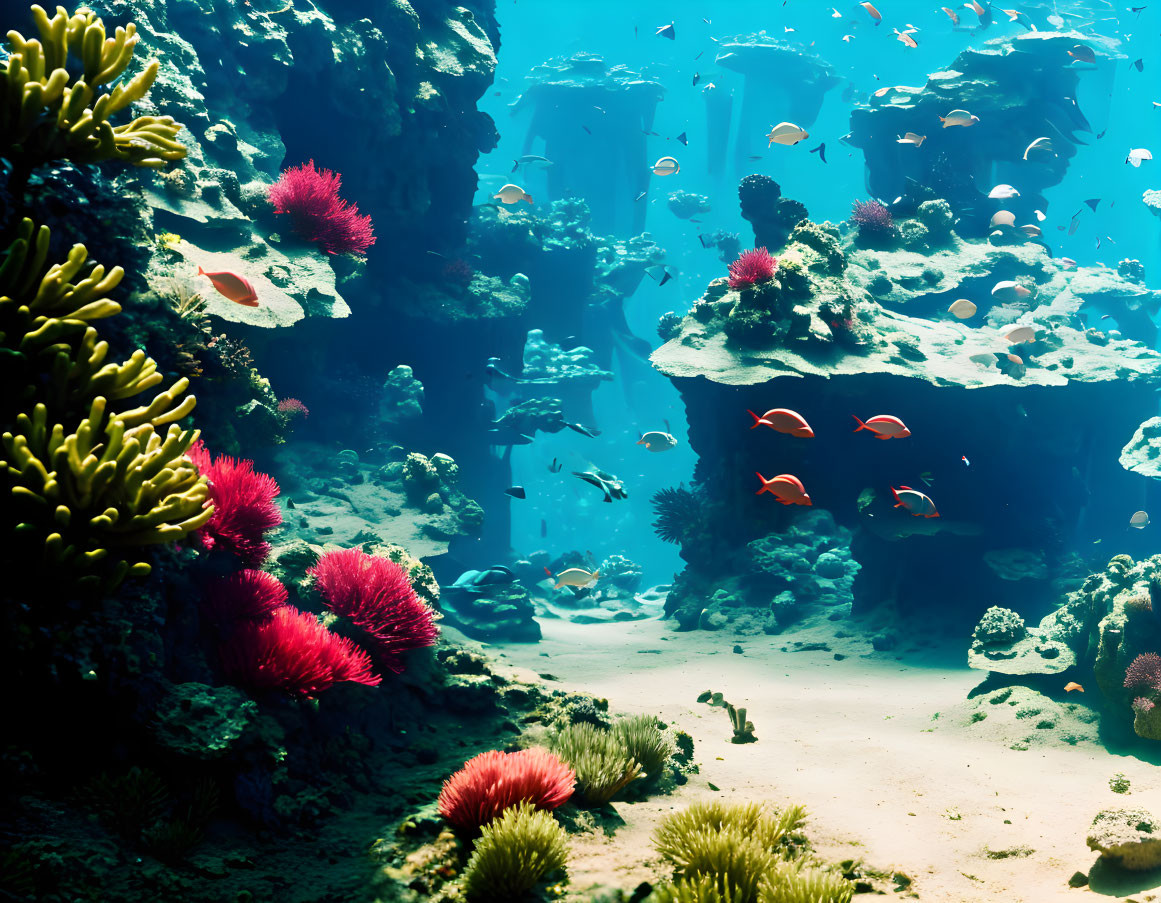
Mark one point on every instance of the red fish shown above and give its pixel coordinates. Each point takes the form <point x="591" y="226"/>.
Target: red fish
<point x="783" y="421"/>
<point x="232" y="286"/>
<point x="914" y="501"/>
<point x="884" y="426"/>
<point x="786" y="488"/>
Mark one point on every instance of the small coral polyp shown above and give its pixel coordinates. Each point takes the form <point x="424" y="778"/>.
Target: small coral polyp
<point x="752" y="268"/>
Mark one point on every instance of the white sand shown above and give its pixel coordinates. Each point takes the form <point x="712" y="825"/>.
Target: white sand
<point x="852" y="740"/>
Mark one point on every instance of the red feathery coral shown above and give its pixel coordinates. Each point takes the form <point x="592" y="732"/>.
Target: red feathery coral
<point x="751" y="267"/>
<point x="872" y="218"/>
<point x="244" y="596"/>
<point x="292" y="652"/>
<point x="375" y="594"/>
<point x="292" y="409"/>
<point x="492" y="781"/>
<point x="1143" y="705"/>
<point x="311" y="198"/>
<point x="1145" y="671"/>
<point x="244" y="507"/>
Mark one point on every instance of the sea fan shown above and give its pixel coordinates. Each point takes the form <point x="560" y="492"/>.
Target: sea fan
<point x="872" y="218"/>
<point x="243" y="596"/>
<point x="310" y="197"/>
<point x="375" y="594"/>
<point x="1145" y="671"/>
<point x="293" y="653"/>
<point x="752" y="267"/>
<point x="244" y="507"/>
<point x="493" y="781"/>
<point x="679" y="513"/>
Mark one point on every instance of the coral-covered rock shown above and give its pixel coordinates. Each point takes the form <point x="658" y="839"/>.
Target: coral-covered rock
<point x="1130" y="838"/>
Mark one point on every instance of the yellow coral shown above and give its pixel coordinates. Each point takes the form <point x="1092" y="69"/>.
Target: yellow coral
<point x="46" y="113"/>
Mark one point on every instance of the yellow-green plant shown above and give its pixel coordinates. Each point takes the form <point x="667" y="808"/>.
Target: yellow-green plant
<point x="646" y="743"/>
<point x="514" y="853"/>
<point x="49" y="113"/>
<point x="602" y="761"/>
<point x="87" y="481"/>
<point x="797" y="882"/>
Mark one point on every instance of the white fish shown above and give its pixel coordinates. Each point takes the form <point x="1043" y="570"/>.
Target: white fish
<point x="1003" y="192"/>
<point x="912" y="138"/>
<point x="1139" y="520"/>
<point x="657" y="441"/>
<point x="1136" y="155"/>
<point x="962" y="309"/>
<point x="666" y="166"/>
<point x="959" y="117"/>
<point x="787" y="133"/>
<point x="1009" y="291"/>
<point x="577" y="577"/>
<point x="1020" y="335"/>
<point x="512" y="194"/>
<point x="1002" y="218"/>
<point x="1041" y="216"/>
<point x="1031" y="230"/>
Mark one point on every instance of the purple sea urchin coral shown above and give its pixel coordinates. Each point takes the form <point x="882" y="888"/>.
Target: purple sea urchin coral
<point x="873" y="218"/>
<point x="1145" y="671"/>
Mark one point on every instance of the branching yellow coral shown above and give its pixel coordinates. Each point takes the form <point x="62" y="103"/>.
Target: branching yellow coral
<point x="85" y="480"/>
<point x="47" y="113"/>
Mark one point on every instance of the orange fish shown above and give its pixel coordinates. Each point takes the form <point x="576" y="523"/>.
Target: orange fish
<point x="872" y="12"/>
<point x="914" y="501"/>
<point x="230" y="285"/>
<point x="783" y="421"/>
<point x="884" y="426"/>
<point x="1073" y="685"/>
<point x="786" y="488"/>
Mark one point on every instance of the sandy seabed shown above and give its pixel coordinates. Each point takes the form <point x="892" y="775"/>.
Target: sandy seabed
<point x="884" y="778"/>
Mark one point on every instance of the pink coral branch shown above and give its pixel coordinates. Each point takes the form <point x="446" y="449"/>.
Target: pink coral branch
<point x="244" y="506"/>
<point x="752" y="267"/>
<point x="492" y="781"/>
<point x="310" y="198"/>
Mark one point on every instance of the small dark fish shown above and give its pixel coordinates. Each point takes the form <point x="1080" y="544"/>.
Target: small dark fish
<point x="683" y="139"/>
<point x="591" y="432"/>
<point x="517" y="492"/>
<point x="660" y="273"/>
<point x="555" y="466"/>
<point x="543" y="528"/>
<point x="1092" y="203"/>
<point x="1139" y="65"/>
<point x="667" y="31"/>
<point x="821" y="151"/>
<point x="698" y="57"/>
<point x="606" y="482"/>
<point x="704" y="243"/>
<point x="588" y="131"/>
<point x="696" y="78"/>
<point x="641" y="195"/>
<point x="1074" y="225"/>
<point x="1101" y="134"/>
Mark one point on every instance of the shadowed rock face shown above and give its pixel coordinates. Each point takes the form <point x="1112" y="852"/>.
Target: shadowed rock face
<point x="1021" y="88"/>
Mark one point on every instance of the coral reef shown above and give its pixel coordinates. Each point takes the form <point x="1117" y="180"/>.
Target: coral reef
<point x="876" y="226"/>
<point x="1130" y="838"/>
<point x="493" y="782"/>
<point x="402" y="398"/>
<point x="752" y="268"/>
<point x="244" y="508"/>
<point x="772" y="216"/>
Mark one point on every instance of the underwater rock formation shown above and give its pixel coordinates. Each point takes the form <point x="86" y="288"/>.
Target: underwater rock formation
<point x="1130" y="838"/>
<point x="1020" y="87"/>
<point x="607" y="162"/>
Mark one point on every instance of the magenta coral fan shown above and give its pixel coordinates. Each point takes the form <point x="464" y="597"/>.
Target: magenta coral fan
<point x="1145" y="671"/>
<point x="752" y="266"/>
<point x="492" y="781"/>
<point x="243" y="596"/>
<point x="293" y="653"/>
<point x="872" y="217"/>
<point x="293" y="408"/>
<point x="310" y="197"/>
<point x="375" y="594"/>
<point x="244" y="506"/>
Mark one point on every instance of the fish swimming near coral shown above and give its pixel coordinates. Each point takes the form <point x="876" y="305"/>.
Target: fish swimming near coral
<point x="512" y="194"/>
<point x="787" y="133"/>
<point x="884" y="426"/>
<point x="959" y="117"/>
<point x="591" y="431"/>
<point x="666" y="166"/>
<point x="914" y="501"/>
<point x="610" y="485"/>
<point x="786" y="488"/>
<point x="233" y="287"/>
<point x="575" y="577"/>
<point x="782" y="420"/>
<point x="1139" y="520"/>
<point x="657" y="441"/>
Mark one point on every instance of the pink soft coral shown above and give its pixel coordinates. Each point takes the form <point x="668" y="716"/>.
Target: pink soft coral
<point x="246" y="595"/>
<point x="752" y="267"/>
<point x="293" y="653"/>
<point x="375" y="594"/>
<point x="310" y="197"/>
<point x="493" y="781"/>
<point x="1145" y="671"/>
<point x="872" y="218"/>
<point x="244" y="507"/>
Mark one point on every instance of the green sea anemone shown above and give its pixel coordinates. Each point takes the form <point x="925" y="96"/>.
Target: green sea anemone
<point x="515" y="852"/>
<point x="646" y="743"/>
<point x="601" y="758"/>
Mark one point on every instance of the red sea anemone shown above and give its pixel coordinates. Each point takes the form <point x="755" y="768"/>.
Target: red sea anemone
<point x="492" y="781"/>
<point x="1145" y="671"/>
<point x="375" y="595"/>
<point x="310" y="197"/>
<point x="244" y="596"/>
<point x="244" y="507"/>
<point x="751" y="267"/>
<point x="872" y="218"/>
<point x="293" y="653"/>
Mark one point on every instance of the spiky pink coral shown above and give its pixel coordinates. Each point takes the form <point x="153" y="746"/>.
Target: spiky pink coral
<point x="292" y="409"/>
<point x="244" y="507"/>
<point x="752" y="267"/>
<point x="293" y="653"/>
<point x="492" y="781"/>
<point x="872" y="218"/>
<point x="1145" y="671"/>
<point x="310" y="197"/>
<point x="243" y="596"/>
<point x="375" y="594"/>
